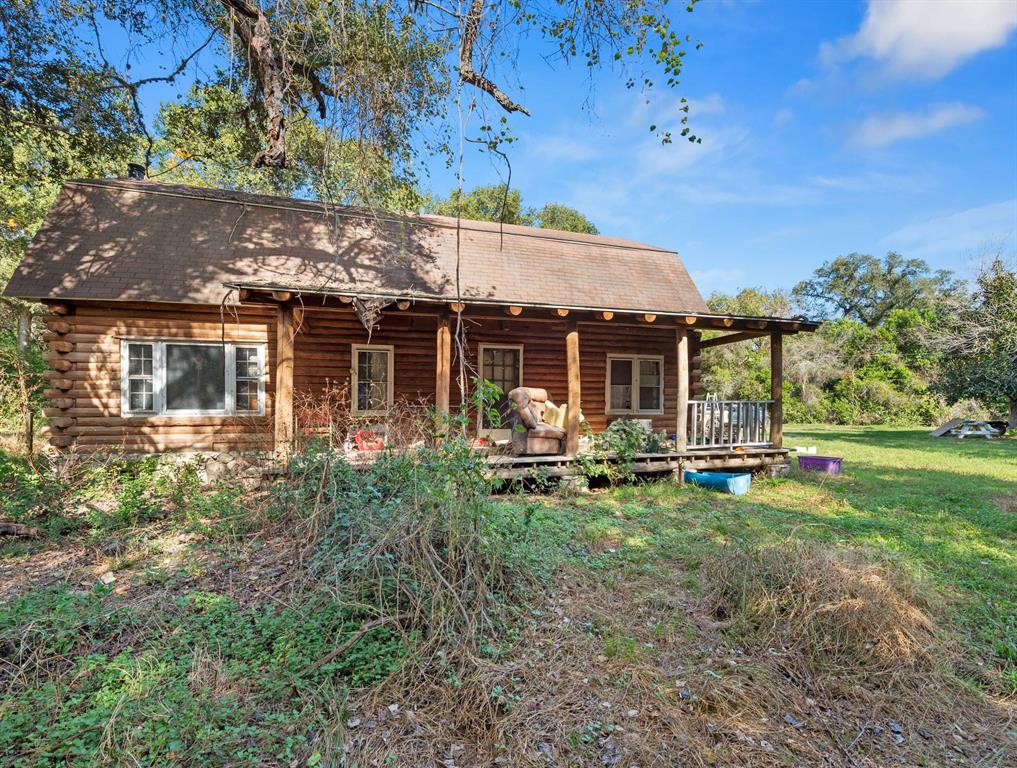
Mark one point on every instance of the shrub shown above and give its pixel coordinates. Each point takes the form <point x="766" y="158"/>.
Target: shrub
<point x="621" y="441"/>
<point x="414" y="541"/>
<point x="199" y="680"/>
<point x="109" y="494"/>
<point x="26" y="494"/>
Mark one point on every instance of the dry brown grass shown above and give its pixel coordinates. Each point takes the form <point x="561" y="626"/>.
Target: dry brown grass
<point x="839" y="611"/>
<point x="642" y="672"/>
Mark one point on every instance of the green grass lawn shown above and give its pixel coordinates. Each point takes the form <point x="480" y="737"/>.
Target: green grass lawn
<point x="944" y="508"/>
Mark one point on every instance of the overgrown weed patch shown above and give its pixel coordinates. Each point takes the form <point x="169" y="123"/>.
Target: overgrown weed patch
<point x="867" y="619"/>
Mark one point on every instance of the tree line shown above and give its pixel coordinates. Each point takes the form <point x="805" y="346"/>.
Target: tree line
<point x="901" y="344"/>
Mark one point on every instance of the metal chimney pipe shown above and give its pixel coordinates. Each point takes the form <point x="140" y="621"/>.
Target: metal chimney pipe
<point x="135" y="171"/>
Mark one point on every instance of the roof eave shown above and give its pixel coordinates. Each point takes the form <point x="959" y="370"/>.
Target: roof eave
<point x="795" y="323"/>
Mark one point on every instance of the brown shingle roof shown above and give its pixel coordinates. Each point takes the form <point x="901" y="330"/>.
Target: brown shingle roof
<point x="143" y="241"/>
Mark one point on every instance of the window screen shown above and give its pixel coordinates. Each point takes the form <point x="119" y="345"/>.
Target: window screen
<point x="649" y="385"/>
<point x="140" y="380"/>
<point x="372" y="379"/>
<point x="620" y="377"/>
<point x="195" y="377"/>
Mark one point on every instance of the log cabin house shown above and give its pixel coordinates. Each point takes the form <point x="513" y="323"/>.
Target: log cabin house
<point x="188" y="319"/>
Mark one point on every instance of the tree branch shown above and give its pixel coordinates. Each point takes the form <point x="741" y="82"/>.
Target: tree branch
<point x="471" y="30"/>
<point x="318" y="89"/>
<point x="254" y="31"/>
<point x="17" y="529"/>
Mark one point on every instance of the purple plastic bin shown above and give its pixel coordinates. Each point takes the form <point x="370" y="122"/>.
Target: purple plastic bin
<point x="829" y="464"/>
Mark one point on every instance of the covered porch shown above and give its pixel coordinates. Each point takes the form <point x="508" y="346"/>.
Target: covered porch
<point x="569" y="350"/>
<point x="709" y="434"/>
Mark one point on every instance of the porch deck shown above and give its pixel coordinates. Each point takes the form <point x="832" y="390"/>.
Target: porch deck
<point x="727" y="459"/>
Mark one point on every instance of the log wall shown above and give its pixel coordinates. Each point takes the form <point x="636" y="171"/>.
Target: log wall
<point x="84" y="356"/>
<point x="544" y="359"/>
<point x="323" y="352"/>
<point x="83" y="398"/>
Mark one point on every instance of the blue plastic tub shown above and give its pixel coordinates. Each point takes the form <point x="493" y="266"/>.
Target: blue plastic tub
<point x="735" y="483"/>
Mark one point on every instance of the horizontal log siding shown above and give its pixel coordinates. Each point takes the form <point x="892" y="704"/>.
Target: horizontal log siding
<point x="323" y="351"/>
<point x="544" y="362"/>
<point x="322" y="354"/>
<point x="598" y="340"/>
<point x="92" y="419"/>
<point x="543" y="353"/>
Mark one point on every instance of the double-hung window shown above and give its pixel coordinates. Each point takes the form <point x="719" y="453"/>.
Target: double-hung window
<point x="371" y="378"/>
<point x="188" y="378"/>
<point x="635" y="384"/>
<point x="140" y="380"/>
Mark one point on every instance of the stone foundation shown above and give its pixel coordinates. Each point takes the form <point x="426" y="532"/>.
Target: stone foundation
<point x="247" y="467"/>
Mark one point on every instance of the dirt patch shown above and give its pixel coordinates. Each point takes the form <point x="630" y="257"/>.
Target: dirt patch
<point x="1007" y="503"/>
<point x="44" y="568"/>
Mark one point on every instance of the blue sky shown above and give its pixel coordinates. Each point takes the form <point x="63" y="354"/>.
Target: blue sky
<point x="827" y="128"/>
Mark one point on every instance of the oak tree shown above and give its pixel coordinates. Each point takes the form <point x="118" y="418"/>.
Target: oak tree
<point x="867" y="289"/>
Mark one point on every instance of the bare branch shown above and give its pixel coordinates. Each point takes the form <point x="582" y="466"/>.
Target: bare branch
<point x="172" y="76"/>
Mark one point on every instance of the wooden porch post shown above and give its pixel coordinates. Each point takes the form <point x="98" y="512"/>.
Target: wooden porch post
<point x="777" y="390"/>
<point x="284" y="383"/>
<point x="575" y="398"/>
<point x="681" y="432"/>
<point x="443" y="370"/>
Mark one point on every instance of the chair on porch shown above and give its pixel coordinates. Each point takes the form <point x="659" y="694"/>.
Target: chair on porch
<point x="531" y="435"/>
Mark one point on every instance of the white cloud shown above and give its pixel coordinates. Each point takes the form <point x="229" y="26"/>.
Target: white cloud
<point x="564" y="148"/>
<point x="651" y="158"/>
<point x="943" y="239"/>
<point x="783" y="116"/>
<point x="925" y="38"/>
<point x="880" y="130"/>
<point x="745" y="192"/>
<point x="910" y="181"/>
<point x="713" y="104"/>
<point x="780" y="233"/>
<point x="718" y="279"/>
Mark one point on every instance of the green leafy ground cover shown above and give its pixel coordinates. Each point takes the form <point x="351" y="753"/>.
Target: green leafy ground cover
<point x="658" y="620"/>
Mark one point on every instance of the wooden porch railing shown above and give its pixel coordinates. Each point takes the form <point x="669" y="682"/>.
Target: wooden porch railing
<point x="726" y="423"/>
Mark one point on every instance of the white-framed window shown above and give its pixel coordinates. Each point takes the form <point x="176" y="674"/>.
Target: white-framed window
<point x="372" y="378"/>
<point x="191" y="378"/>
<point x="635" y="384"/>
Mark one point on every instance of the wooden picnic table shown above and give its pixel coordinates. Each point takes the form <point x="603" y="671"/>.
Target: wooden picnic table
<point x="973" y="428"/>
